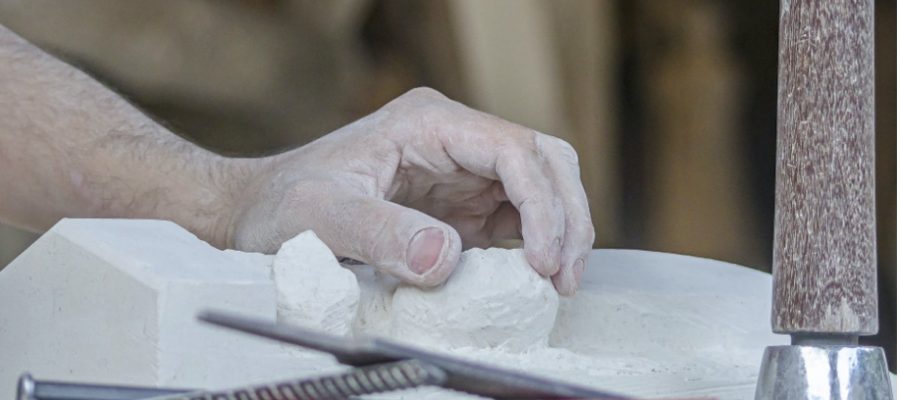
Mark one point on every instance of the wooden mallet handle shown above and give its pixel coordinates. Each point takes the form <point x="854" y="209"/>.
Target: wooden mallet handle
<point x="824" y="250"/>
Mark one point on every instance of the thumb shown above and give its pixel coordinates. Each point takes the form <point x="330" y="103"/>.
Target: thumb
<point x="404" y="242"/>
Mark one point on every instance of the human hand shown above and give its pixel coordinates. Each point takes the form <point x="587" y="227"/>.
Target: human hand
<point x="408" y="186"/>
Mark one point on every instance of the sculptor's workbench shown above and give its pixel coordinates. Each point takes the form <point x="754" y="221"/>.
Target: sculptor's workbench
<point x="114" y="301"/>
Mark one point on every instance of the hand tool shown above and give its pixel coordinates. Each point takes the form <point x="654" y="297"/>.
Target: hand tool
<point x="461" y="375"/>
<point x="380" y="365"/>
<point x="824" y="263"/>
<point x="357" y="381"/>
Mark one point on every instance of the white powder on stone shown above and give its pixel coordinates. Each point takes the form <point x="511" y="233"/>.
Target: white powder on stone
<point x="493" y="299"/>
<point x="314" y="290"/>
<point x="373" y="318"/>
<point x="646" y="324"/>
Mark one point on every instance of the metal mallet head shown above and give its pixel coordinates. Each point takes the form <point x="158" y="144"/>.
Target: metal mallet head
<point x="819" y="370"/>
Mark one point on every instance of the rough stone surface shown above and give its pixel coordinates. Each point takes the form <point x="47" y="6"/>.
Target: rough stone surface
<point x="373" y="318"/>
<point x="493" y="299"/>
<point x="314" y="290"/>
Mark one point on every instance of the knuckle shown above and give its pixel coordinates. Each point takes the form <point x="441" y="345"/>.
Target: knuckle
<point x="415" y="99"/>
<point x="425" y="107"/>
<point x="423" y="92"/>
<point x="527" y="202"/>
<point x="584" y="230"/>
<point x="566" y="151"/>
<point x="552" y="146"/>
<point x="592" y="235"/>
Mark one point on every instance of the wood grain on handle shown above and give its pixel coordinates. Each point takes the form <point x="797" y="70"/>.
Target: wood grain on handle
<point x="824" y="249"/>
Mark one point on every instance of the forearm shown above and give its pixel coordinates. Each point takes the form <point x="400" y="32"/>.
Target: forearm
<point x="69" y="147"/>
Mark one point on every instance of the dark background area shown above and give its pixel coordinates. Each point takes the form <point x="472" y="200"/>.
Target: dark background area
<point x="671" y="105"/>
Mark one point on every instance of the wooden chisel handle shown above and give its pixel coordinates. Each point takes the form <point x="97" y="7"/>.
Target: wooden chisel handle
<point x="824" y="264"/>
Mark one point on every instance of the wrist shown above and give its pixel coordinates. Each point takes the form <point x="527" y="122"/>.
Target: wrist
<point x="230" y="187"/>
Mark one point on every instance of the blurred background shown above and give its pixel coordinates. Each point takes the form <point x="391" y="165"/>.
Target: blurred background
<point x="670" y="104"/>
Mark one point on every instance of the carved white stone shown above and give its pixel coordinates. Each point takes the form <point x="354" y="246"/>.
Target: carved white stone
<point x="314" y="290"/>
<point x="493" y="299"/>
<point x="115" y="301"/>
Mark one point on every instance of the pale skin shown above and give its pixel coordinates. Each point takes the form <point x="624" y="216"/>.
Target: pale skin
<point x="404" y="189"/>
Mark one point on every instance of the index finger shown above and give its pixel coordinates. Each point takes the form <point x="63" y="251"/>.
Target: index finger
<point x="497" y="149"/>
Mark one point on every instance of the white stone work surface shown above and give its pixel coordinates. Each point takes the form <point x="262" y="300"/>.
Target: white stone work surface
<point x="114" y="301"/>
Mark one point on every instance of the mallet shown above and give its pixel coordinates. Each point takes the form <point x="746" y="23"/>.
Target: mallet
<point x="825" y="292"/>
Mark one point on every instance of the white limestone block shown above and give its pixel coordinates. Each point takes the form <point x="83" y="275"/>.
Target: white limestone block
<point x="493" y="299"/>
<point x="314" y="290"/>
<point x="115" y="301"/>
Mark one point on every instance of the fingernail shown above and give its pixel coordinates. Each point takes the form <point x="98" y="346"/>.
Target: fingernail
<point x="577" y="270"/>
<point x="424" y="250"/>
